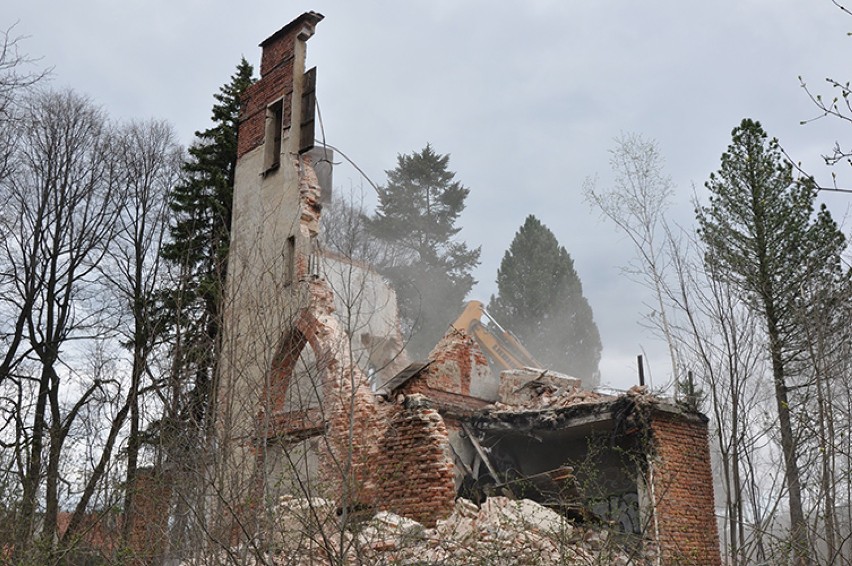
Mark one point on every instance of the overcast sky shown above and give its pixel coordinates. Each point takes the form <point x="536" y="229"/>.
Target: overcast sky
<point x="527" y="97"/>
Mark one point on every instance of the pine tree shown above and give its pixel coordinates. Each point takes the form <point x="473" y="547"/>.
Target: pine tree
<point x="198" y="247"/>
<point x="201" y="205"/>
<point x="762" y="236"/>
<point x="540" y="300"/>
<point x="429" y="268"/>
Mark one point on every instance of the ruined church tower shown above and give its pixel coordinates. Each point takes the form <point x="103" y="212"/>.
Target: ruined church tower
<point x="271" y="257"/>
<point x="303" y="328"/>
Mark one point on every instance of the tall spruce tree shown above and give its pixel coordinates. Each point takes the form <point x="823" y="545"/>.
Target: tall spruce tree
<point x="763" y="235"/>
<point x="427" y="265"/>
<point x="198" y="248"/>
<point x="540" y="299"/>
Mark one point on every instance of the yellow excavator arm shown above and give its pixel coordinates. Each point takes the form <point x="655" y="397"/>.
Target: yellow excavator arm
<point x="499" y="344"/>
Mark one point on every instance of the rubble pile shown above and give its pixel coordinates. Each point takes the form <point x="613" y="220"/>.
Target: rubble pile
<point x="543" y="394"/>
<point x="547" y="396"/>
<point x="302" y="533"/>
<point x="502" y="531"/>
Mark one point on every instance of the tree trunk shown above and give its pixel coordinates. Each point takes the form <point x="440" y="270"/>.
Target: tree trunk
<point x="89" y="490"/>
<point x="133" y="440"/>
<point x="51" y="512"/>
<point x="32" y="478"/>
<point x="826" y="435"/>
<point x="798" y="524"/>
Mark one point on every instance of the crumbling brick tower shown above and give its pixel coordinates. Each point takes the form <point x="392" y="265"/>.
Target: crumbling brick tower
<point x="270" y="263"/>
<point x="295" y="413"/>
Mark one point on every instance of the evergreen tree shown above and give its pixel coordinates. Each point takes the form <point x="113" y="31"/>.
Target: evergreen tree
<point x="200" y="234"/>
<point x="762" y="236"/>
<point x="429" y="268"/>
<point x="540" y="299"/>
<point x="201" y="205"/>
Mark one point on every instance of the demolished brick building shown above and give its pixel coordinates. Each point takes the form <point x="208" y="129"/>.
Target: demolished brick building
<point x="318" y="399"/>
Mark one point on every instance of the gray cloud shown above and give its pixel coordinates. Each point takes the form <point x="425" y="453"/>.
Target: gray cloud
<point x="526" y="96"/>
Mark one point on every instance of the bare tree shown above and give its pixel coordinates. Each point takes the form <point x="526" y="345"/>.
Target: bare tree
<point x="716" y="336"/>
<point x="344" y="230"/>
<point x="16" y="72"/>
<point x="637" y="204"/>
<point x="87" y="216"/>
<point x="16" y="76"/>
<point x="62" y="204"/>
<point x="719" y="339"/>
<point x="836" y="104"/>
<point x="149" y="160"/>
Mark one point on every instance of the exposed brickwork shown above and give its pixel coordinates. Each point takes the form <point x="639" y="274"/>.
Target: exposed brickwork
<point x="456" y="361"/>
<point x="683" y="488"/>
<point x="356" y="424"/>
<point x="444" y="400"/>
<point x="149" y="531"/>
<point x="383" y="455"/>
<point x="255" y="99"/>
<point x="309" y="199"/>
<point x="276" y="72"/>
<point x="294" y="424"/>
<point x="101" y="533"/>
<point x="276" y="46"/>
<point x="415" y="469"/>
<point x="388" y="456"/>
<point x="98" y="534"/>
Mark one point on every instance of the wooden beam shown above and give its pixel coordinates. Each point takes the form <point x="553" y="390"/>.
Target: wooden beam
<point x="481" y="451"/>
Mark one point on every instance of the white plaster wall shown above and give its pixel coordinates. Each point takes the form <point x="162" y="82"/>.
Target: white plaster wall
<point x="260" y="304"/>
<point x="367" y="308"/>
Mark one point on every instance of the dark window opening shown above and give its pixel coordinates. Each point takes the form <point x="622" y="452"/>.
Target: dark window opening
<point x="291" y="261"/>
<point x="274" y="131"/>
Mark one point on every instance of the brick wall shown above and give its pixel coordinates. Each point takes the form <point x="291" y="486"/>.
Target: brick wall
<point x="149" y="531"/>
<point x="390" y="456"/>
<point x="383" y="455"/>
<point x="415" y="470"/>
<point x="258" y="96"/>
<point x="457" y="362"/>
<point x="255" y="100"/>
<point x="276" y="72"/>
<point x="683" y="489"/>
<point x="399" y="451"/>
<point x="397" y="456"/>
